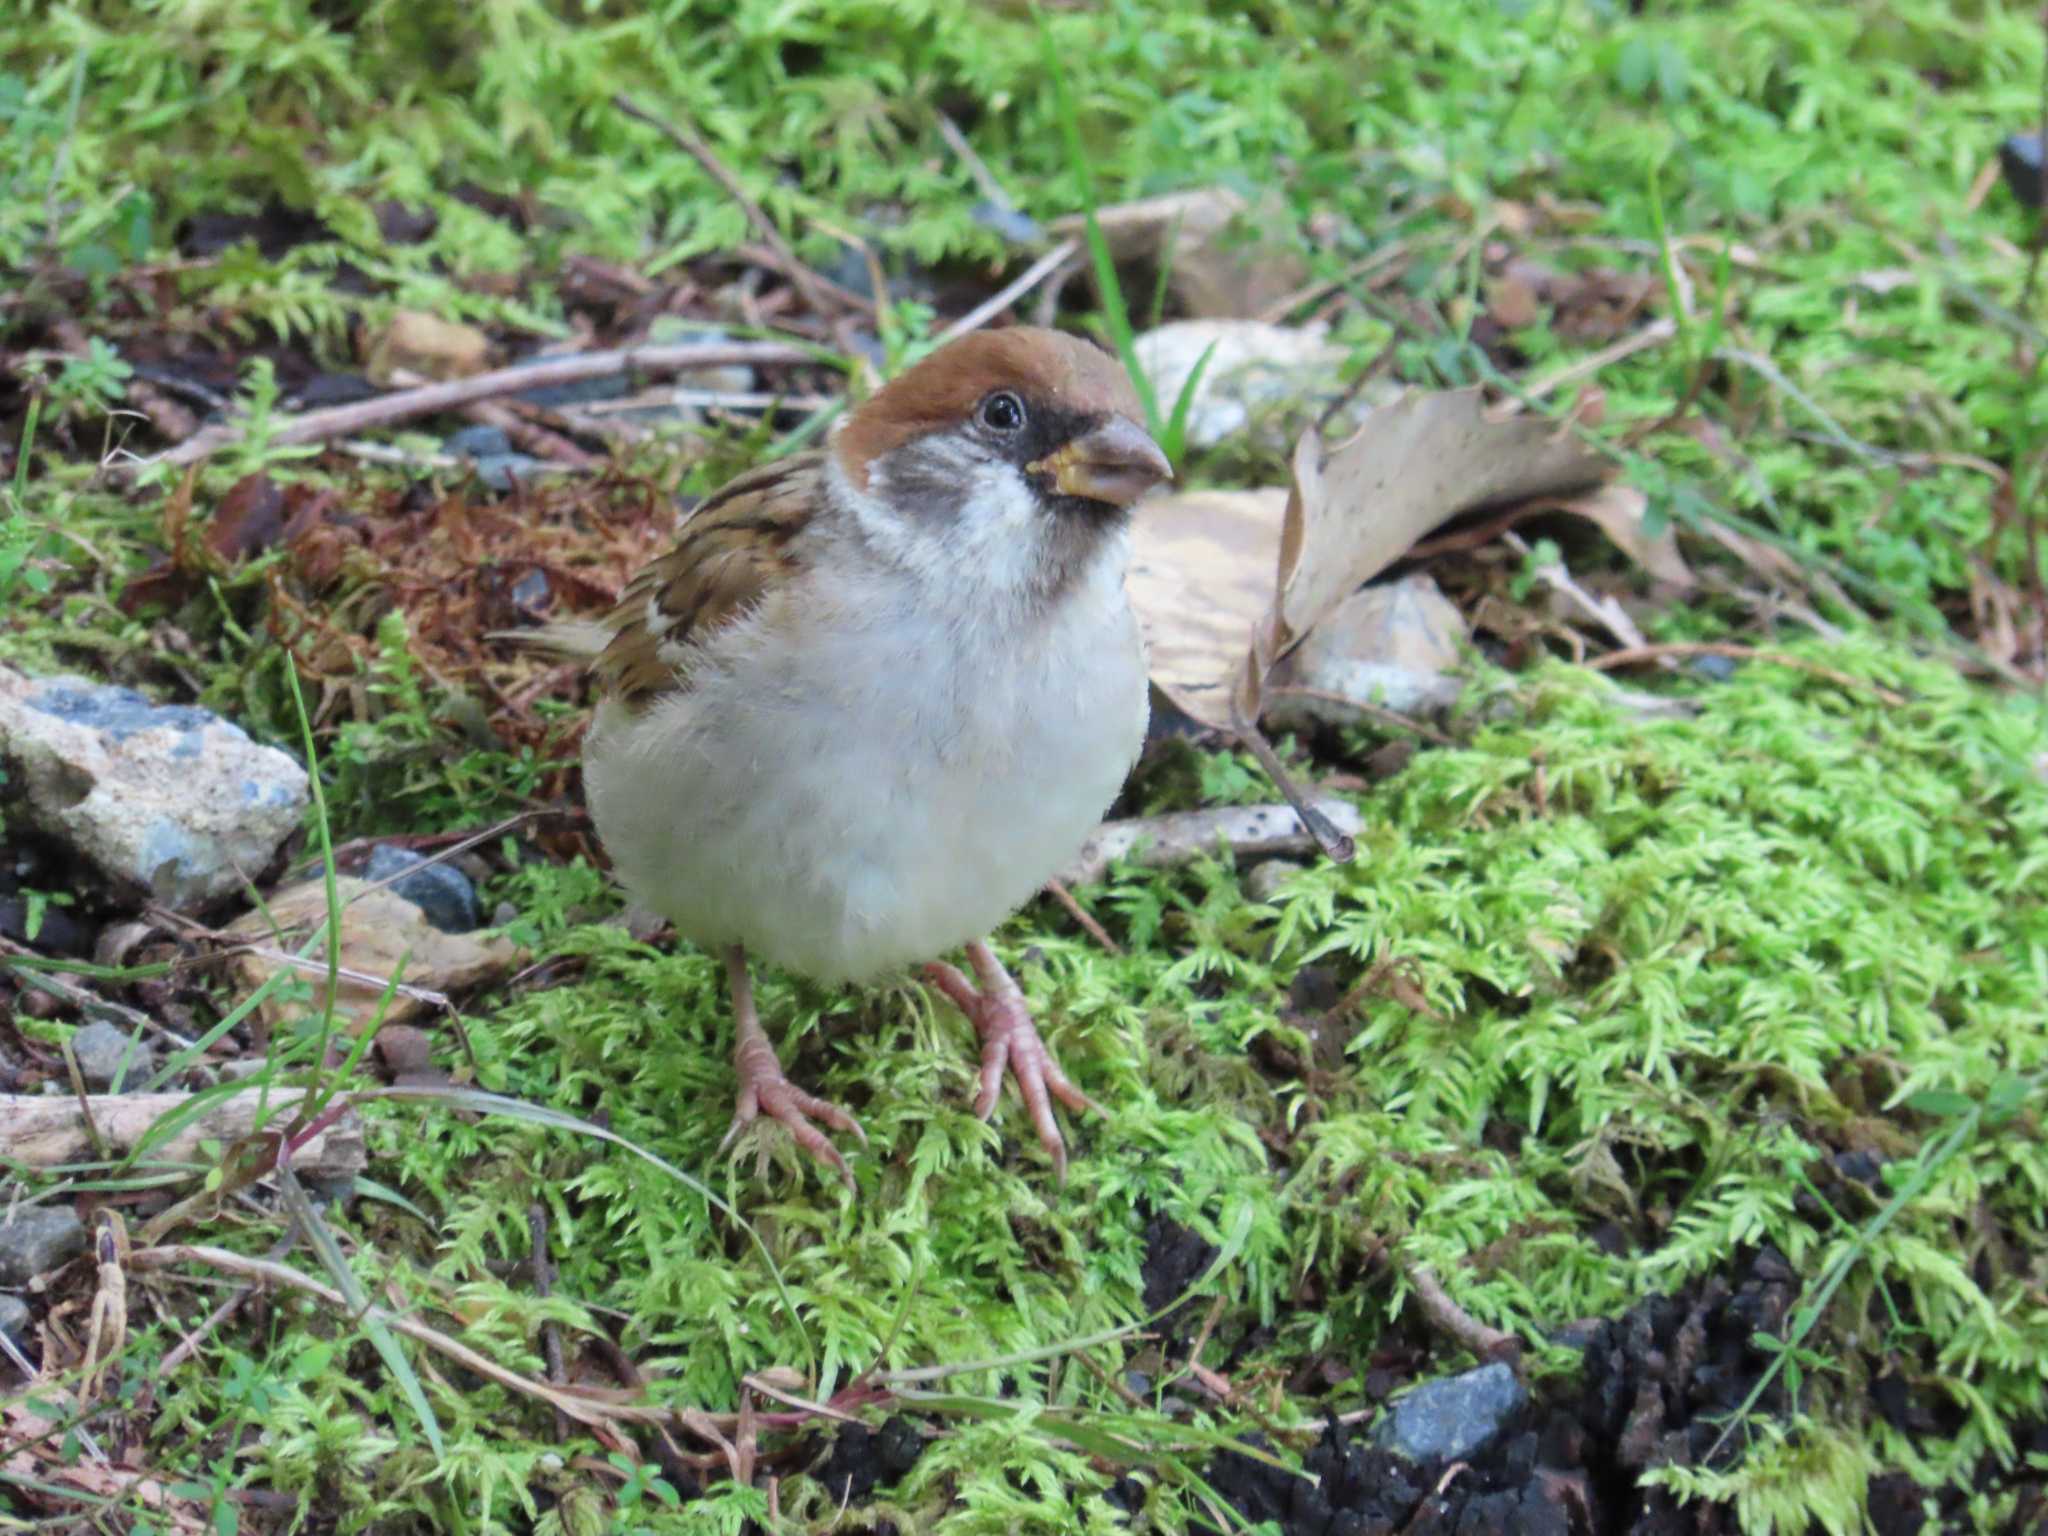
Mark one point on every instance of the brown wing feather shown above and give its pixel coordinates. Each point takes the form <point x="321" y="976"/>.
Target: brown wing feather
<point x="733" y="550"/>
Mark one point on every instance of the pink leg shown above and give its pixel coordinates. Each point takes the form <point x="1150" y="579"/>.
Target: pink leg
<point x="1009" y="1041"/>
<point x="764" y="1088"/>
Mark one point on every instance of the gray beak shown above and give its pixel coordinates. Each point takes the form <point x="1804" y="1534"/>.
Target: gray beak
<point x="1115" y="462"/>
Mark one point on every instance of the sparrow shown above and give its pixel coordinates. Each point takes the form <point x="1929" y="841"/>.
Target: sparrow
<point x="878" y="693"/>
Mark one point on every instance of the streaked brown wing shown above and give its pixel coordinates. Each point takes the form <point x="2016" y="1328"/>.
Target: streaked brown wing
<point x="738" y="546"/>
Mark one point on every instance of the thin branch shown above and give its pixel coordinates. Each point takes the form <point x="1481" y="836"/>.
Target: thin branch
<point x="1391" y="718"/>
<point x="410" y="404"/>
<point x="577" y="1403"/>
<point x="1655" y="334"/>
<point x="1058" y="891"/>
<point x="1636" y="655"/>
<point x="1452" y="1320"/>
<point x="1011" y="292"/>
<point x="692" y="143"/>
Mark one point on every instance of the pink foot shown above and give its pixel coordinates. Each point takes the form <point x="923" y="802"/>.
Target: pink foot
<point x="1010" y="1043"/>
<point x="763" y="1088"/>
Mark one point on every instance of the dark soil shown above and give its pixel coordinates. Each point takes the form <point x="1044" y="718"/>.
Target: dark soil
<point x="1659" y="1384"/>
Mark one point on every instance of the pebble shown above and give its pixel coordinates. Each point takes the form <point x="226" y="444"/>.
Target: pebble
<point x="40" y="1238"/>
<point x="167" y="797"/>
<point x="1454" y="1418"/>
<point x="2020" y="159"/>
<point x="1017" y="227"/>
<point x="101" y="1048"/>
<point x="441" y="891"/>
<point x="1265" y="880"/>
<point x="14" y="1321"/>
<point x="1397" y="644"/>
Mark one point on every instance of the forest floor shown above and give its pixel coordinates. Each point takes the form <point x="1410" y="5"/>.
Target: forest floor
<point x="1665" y="1071"/>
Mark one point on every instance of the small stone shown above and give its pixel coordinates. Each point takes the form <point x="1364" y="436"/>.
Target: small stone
<point x="1265" y="880"/>
<point x="102" y="1049"/>
<point x="56" y="931"/>
<point x="14" y="1320"/>
<point x="1014" y="226"/>
<point x="2019" y="157"/>
<point x="40" y="1238"/>
<point x="167" y="797"/>
<point x="441" y="891"/>
<point x="1262" y="382"/>
<point x="1715" y="669"/>
<point x="501" y="472"/>
<point x="479" y="442"/>
<point x="1396" y="644"/>
<point x="1452" y="1419"/>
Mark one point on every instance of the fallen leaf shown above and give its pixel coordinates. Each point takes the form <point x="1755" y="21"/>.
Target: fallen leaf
<point x="1215" y="244"/>
<point x="1216" y="626"/>
<point x="1412" y="466"/>
<point x="1201" y="577"/>
<point x="427" y="346"/>
<point x="48" y="1469"/>
<point x="1619" y="512"/>
<point x="382" y="936"/>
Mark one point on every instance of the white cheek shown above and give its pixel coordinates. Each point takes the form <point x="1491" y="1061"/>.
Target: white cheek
<point x="990" y="541"/>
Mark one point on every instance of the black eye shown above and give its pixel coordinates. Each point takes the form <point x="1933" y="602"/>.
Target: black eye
<point x="1002" y="412"/>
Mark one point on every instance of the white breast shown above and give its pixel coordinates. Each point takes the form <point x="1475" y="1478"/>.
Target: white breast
<point x="852" y="786"/>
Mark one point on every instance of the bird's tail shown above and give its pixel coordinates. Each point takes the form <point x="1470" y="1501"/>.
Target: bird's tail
<point x="565" y="639"/>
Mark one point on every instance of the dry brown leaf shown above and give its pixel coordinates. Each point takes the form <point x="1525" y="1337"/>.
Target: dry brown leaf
<point x="1414" y="465"/>
<point x="45" y="1461"/>
<point x="382" y="935"/>
<point x="426" y="345"/>
<point x="1618" y="511"/>
<point x="1201" y="577"/>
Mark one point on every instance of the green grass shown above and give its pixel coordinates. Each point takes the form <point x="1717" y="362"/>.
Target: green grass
<point x="1666" y="980"/>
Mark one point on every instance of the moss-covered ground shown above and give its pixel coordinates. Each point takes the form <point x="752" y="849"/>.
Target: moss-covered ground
<point x="1607" y="1002"/>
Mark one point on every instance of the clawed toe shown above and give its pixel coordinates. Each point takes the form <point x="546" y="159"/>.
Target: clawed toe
<point x="1010" y="1046"/>
<point x="796" y="1111"/>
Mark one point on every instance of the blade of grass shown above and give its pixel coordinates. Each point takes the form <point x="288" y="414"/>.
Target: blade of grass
<point x="477" y="1101"/>
<point x="1115" y="313"/>
<point x="335" y="1262"/>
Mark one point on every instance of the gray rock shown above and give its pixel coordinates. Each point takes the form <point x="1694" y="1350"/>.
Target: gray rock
<point x="480" y="442"/>
<point x="1262" y="384"/>
<point x="39" y="1239"/>
<point x="1266" y="879"/>
<point x="441" y="891"/>
<point x="1014" y="226"/>
<point x="501" y="471"/>
<point x="168" y="797"/>
<point x="1452" y="1419"/>
<point x="1395" y="644"/>
<point x="101" y="1048"/>
<point x="14" y="1321"/>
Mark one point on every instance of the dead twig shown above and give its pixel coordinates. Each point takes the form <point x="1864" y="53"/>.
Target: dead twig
<point x="1655" y="334"/>
<point x="1012" y="291"/>
<point x="44" y="1131"/>
<point x="1637" y="655"/>
<point x="692" y="143"/>
<point x="1452" y="1320"/>
<point x="543" y="1287"/>
<point x="1161" y="842"/>
<point x="580" y="1404"/>
<point x="1080" y="914"/>
<point x="410" y="404"/>
<point x="1388" y="717"/>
